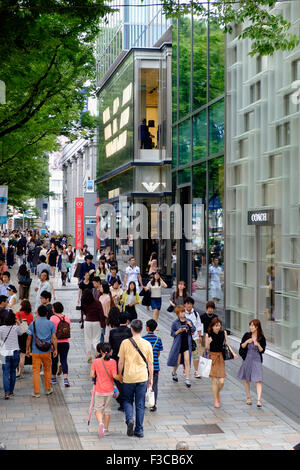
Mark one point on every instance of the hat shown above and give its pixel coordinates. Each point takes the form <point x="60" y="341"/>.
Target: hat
<point x="11" y="287"/>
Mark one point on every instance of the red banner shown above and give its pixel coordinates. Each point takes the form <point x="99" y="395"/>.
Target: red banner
<point x="79" y="222"/>
<point x="98" y="225"/>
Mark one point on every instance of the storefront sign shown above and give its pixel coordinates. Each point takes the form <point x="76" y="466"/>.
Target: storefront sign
<point x="3" y="204"/>
<point x="261" y="217"/>
<point x="79" y="222"/>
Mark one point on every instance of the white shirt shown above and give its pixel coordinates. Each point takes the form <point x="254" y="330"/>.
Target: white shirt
<point x="132" y="275"/>
<point x="215" y="275"/>
<point x="195" y="319"/>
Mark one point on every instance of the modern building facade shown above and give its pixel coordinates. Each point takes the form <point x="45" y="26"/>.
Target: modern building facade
<point x="134" y="159"/>
<point x="198" y="154"/>
<point x="262" y="196"/>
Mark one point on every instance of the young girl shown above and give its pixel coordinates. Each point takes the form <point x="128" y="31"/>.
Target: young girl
<point x="104" y="369"/>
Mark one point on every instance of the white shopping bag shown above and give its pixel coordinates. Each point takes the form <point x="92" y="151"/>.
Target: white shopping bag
<point x="204" y="366"/>
<point x="150" y="399"/>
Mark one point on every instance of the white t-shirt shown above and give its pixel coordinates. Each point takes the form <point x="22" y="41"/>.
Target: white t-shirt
<point x="195" y="319"/>
<point x="132" y="275"/>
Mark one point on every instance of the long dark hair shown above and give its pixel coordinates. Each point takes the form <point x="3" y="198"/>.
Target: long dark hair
<point x="113" y="318"/>
<point x="134" y="290"/>
<point x="153" y="280"/>
<point x="23" y="271"/>
<point x="184" y="292"/>
<point x="257" y="325"/>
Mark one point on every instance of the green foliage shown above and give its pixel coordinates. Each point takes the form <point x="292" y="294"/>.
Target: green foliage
<point x="46" y="57"/>
<point x="267" y="31"/>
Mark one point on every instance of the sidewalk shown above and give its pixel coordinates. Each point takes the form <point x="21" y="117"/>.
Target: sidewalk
<point x="60" y="420"/>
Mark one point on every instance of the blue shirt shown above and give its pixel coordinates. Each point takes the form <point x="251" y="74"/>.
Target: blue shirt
<point x="3" y="289"/>
<point x="85" y="268"/>
<point x="44" y="330"/>
<point x="158" y="347"/>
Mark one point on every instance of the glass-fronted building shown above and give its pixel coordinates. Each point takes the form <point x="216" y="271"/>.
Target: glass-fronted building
<point x="128" y="26"/>
<point x="262" y="195"/>
<point x="198" y="51"/>
<point x="134" y="157"/>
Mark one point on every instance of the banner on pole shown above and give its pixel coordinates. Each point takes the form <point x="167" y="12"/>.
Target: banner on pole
<point x="79" y="222"/>
<point x="3" y="204"/>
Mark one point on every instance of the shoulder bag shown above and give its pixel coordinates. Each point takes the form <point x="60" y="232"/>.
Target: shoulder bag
<point x="41" y="345"/>
<point x="194" y="344"/>
<point x="149" y="397"/>
<point x="3" y="351"/>
<point x="24" y="324"/>
<point x="116" y="391"/>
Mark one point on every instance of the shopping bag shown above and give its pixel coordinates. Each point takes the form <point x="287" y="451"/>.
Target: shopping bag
<point x="150" y="399"/>
<point x="204" y="366"/>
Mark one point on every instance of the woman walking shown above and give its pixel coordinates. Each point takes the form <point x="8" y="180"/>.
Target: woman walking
<point x="44" y="284"/>
<point x="94" y="322"/>
<point x="9" y="333"/>
<point x="78" y="262"/>
<point x="116" y="293"/>
<point x="63" y="342"/>
<point x="155" y="286"/>
<point x="113" y="321"/>
<point x="62" y="265"/>
<point x="215" y="341"/>
<point x="101" y="270"/>
<point x="252" y="347"/>
<point x="129" y="301"/>
<point x="24" y="282"/>
<point x="181" y="350"/>
<point x="25" y="315"/>
<point x="178" y="297"/>
<point x="53" y="258"/>
<point x="83" y="285"/>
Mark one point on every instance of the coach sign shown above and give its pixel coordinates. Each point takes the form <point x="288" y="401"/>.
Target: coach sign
<point x="261" y="217"/>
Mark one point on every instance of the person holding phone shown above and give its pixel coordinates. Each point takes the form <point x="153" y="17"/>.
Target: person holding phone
<point x="181" y="350"/>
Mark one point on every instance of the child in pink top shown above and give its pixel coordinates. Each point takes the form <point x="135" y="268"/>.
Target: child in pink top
<point x="104" y="370"/>
<point x="63" y="345"/>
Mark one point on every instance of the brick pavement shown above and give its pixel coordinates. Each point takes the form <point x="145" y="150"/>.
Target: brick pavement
<point x="28" y="423"/>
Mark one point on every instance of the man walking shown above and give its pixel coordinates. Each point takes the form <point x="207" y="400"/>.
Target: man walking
<point x="136" y="367"/>
<point x="116" y="336"/>
<point x="45" y="331"/>
<point x="133" y="274"/>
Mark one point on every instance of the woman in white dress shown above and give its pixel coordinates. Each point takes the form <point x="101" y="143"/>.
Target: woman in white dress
<point x="215" y="274"/>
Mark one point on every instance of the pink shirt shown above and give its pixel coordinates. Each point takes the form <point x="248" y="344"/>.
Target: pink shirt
<point x="56" y="321"/>
<point x="105" y="301"/>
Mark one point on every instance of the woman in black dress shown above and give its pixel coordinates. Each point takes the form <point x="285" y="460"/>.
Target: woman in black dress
<point x="53" y="258"/>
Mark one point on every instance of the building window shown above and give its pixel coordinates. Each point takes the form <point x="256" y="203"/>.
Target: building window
<point x="249" y="121"/>
<point x="255" y="92"/>
<point x="243" y="148"/>
<point x="258" y="64"/>
<point x="296" y="70"/>
<point x="283" y="135"/>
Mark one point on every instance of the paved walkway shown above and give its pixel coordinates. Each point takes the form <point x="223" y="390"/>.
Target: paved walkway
<point x="60" y="421"/>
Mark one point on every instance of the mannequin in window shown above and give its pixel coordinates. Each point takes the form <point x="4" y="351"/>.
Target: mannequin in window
<point x="145" y="136"/>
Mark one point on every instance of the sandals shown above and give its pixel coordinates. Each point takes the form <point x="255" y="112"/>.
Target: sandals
<point x="249" y="402"/>
<point x="259" y="405"/>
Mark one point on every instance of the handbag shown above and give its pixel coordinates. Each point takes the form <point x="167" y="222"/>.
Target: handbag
<point x="149" y="398"/>
<point x="170" y="308"/>
<point x="116" y="391"/>
<point x="194" y="344"/>
<point x="227" y="354"/>
<point x="5" y="352"/>
<point x="41" y="345"/>
<point x="204" y="366"/>
<point x="25" y="281"/>
<point x="24" y="324"/>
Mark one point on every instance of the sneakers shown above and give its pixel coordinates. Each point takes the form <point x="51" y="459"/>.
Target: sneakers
<point x="101" y="430"/>
<point x="48" y="392"/>
<point x="106" y="432"/>
<point x="187" y="383"/>
<point x="196" y="375"/>
<point x="139" y="435"/>
<point x="174" y="377"/>
<point x="53" y="381"/>
<point x="130" y="428"/>
<point x="36" y="395"/>
<point x="154" y="408"/>
<point x="66" y="382"/>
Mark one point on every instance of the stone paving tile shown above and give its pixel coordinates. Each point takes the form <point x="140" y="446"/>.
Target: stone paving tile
<point x="28" y="423"/>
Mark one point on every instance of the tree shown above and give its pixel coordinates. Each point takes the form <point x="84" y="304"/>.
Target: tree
<point x="46" y="58"/>
<point x="268" y="31"/>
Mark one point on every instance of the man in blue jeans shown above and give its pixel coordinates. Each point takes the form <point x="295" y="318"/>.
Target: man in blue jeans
<point x="137" y="373"/>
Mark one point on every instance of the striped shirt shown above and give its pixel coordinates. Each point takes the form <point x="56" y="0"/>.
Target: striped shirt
<point x="158" y="347"/>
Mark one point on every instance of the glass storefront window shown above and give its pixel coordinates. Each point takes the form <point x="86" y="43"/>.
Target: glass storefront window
<point x="216" y="128"/>
<point x="174" y="147"/>
<point x="185" y="47"/>
<point x="116" y="186"/>
<point x="199" y="62"/>
<point x="184" y="150"/>
<point x="148" y="134"/>
<point x="199" y="257"/>
<point x="216" y="61"/>
<point x="184" y="176"/>
<point x="216" y="230"/>
<point x="174" y="71"/>
<point x="115" y="104"/>
<point x="200" y="136"/>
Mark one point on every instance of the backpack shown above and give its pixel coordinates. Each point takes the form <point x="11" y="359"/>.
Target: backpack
<point x="63" y="329"/>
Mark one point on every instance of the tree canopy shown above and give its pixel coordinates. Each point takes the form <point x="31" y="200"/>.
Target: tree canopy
<point x="46" y="58"/>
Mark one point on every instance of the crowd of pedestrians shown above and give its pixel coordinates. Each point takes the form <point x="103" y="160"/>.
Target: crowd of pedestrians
<point x="124" y="363"/>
